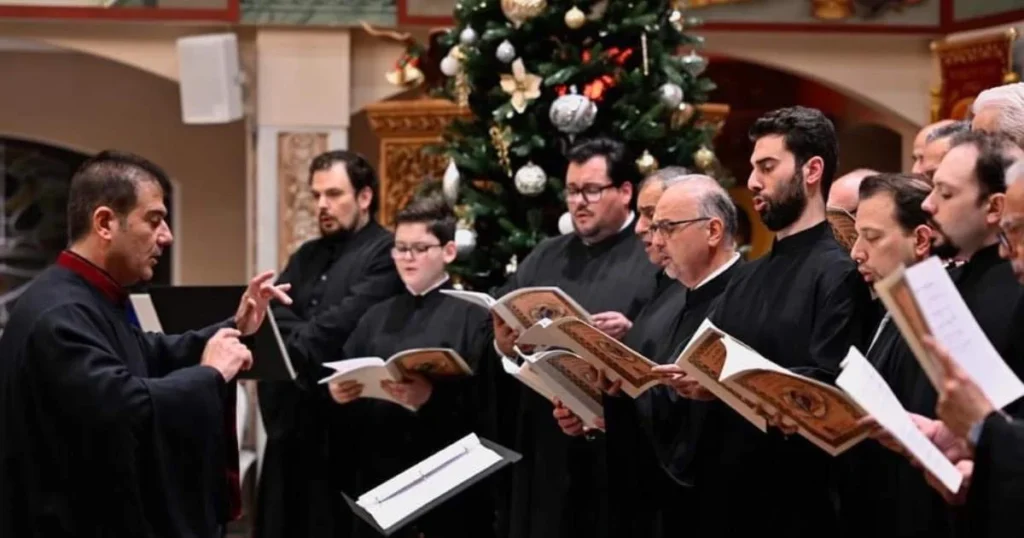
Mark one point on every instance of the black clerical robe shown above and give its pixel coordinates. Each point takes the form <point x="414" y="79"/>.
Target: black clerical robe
<point x="997" y="484"/>
<point x="637" y="487"/>
<point x="384" y="439"/>
<point x="560" y="486"/>
<point x="106" y="430"/>
<point x="334" y="279"/>
<point x="887" y="484"/>
<point x="801" y="306"/>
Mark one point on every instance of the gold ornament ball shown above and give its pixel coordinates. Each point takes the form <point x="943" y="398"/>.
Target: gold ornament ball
<point x="520" y="11"/>
<point x="647" y="164"/>
<point x="575" y="18"/>
<point x="704" y="158"/>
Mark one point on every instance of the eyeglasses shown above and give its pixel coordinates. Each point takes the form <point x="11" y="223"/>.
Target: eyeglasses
<point x="1004" y="241"/>
<point x="666" y="227"/>
<point x="590" y="193"/>
<point x="416" y="249"/>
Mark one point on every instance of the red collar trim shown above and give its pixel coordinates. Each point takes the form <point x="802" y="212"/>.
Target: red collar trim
<point x="95" y="276"/>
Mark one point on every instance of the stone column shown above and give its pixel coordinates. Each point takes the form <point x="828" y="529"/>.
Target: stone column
<point x="303" y="86"/>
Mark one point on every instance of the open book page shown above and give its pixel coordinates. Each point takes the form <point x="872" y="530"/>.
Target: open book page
<point x="414" y="488"/>
<point x="822" y="413"/>
<point x="370" y="372"/>
<point x="618" y="361"/>
<point x="523" y="307"/>
<point x="924" y="300"/>
<point x="572" y="380"/>
<point x="434" y="363"/>
<point x="527" y="377"/>
<point x="866" y="386"/>
<point x="703" y="359"/>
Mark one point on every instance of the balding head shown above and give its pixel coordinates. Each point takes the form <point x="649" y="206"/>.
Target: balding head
<point x="922" y="138"/>
<point x="695" y="224"/>
<point x="844" y="190"/>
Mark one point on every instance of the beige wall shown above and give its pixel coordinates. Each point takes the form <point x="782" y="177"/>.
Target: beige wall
<point x="88" y="104"/>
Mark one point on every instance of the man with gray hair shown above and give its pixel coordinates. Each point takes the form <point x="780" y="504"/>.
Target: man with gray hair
<point x="1000" y="110"/>
<point x="935" y="147"/>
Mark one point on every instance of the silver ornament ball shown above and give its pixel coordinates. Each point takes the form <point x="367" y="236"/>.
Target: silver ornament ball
<point x="465" y="241"/>
<point x="572" y="113"/>
<point x="530" y="180"/>
<point x="565" y="225"/>
<point x="450" y="66"/>
<point x="671" y="95"/>
<point x="468" y="36"/>
<point x="694" y="63"/>
<point x="506" y="52"/>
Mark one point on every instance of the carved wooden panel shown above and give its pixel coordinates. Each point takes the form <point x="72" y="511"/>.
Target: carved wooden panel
<point x="296" y="211"/>
<point x="405" y="129"/>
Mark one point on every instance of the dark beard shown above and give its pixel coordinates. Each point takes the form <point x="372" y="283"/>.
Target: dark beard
<point x="946" y="250"/>
<point x="782" y="212"/>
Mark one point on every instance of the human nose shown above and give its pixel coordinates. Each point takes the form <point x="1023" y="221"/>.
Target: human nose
<point x="754" y="182"/>
<point x="165" y="237"/>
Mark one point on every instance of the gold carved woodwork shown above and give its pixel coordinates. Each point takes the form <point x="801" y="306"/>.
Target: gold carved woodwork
<point x="296" y="210"/>
<point x="405" y="128"/>
<point x="969" y="66"/>
<point x="713" y="114"/>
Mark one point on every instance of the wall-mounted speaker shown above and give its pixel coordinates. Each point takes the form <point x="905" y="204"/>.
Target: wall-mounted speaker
<point x="210" y="79"/>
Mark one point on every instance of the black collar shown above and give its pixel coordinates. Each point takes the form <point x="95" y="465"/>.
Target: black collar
<point x="802" y="241"/>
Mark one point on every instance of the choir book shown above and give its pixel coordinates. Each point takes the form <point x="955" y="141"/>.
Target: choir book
<point x="746" y="381"/>
<point x="843" y="226"/>
<point x="371" y="372"/>
<point x="923" y="300"/>
<point x="523" y="307"/>
<point x="565" y="376"/>
<point x="617" y="360"/>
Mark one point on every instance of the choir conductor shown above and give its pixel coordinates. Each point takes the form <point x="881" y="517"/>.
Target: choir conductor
<point x="106" y="430"/>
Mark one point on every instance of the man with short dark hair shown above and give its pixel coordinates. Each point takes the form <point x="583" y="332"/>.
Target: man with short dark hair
<point x="336" y="278"/>
<point x="106" y="430"/>
<point x="387" y="438"/>
<point x="801" y="306"/>
<point x="560" y="487"/>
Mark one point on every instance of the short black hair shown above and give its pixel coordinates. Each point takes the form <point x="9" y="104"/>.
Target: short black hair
<point x="907" y="191"/>
<point x="110" y="178"/>
<point x="434" y="212"/>
<point x="994" y="157"/>
<point x="807" y="133"/>
<point x="948" y="130"/>
<point x="621" y="165"/>
<point x="360" y="172"/>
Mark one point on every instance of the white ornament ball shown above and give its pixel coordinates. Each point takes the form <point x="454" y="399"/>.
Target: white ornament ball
<point x="530" y="180"/>
<point x="465" y="241"/>
<point x="565" y="225"/>
<point x="506" y="52"/>
<point x="468" y="36"/>
<point x="572" y="113"/>
<point x="450" y="183"/>
<point x="450" y="66"/>
<point x="671" y="95"/>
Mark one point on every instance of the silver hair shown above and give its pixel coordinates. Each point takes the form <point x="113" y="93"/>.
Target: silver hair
<point x="947" y="131"/>
<point x="1015" y="172"/>
<point x="714" y="202"/>
<point x="1008" y="99"/>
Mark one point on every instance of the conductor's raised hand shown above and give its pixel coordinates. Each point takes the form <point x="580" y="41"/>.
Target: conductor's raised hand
<point x="344" y="392"/>
<point x="613" y="324"/>
<point x="252" y="309"/>
<point x="226" y="354"/>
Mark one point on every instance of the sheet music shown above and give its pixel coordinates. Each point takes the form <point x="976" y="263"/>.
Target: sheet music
<point x="865" y="385"/>
<point x="414" y="488"/>
<point x="953" y="326"/>
<point x="145" y="312"/>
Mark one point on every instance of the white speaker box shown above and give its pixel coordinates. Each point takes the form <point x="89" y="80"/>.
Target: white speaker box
<point x="210" y="79"/>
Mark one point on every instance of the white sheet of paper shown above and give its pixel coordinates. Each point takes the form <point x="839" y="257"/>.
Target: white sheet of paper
<point x="149" y="321"/>
<point x="866" y="386"/>
<point x="739" y="359"/>
<point x="953" y="326"/>
<point x="428" y="480"/>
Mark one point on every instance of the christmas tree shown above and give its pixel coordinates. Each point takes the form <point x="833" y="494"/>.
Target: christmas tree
<point x="538" y="75"/>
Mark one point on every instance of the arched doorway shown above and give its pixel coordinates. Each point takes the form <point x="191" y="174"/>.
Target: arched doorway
<point x="34" y="180"/>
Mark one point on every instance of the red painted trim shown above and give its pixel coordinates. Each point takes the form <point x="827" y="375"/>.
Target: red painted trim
<point x="945" y="13"/>
<point x="986" y="21"/>
<point x="819" y="27"/>
<point x="403" y="17"/>
<point x="230" y="14"/>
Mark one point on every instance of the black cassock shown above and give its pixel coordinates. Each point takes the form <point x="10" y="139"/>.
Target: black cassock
<point x="106" y="430"/>
<point x="997" y="484"/>
<point x="885" y="483"/>
<point x="383" y="439"/>
<point x="560" y="487"/>
<point x="638" y="489"/>
<point x="334" y="279"/>
<point x="801" y="306"/>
